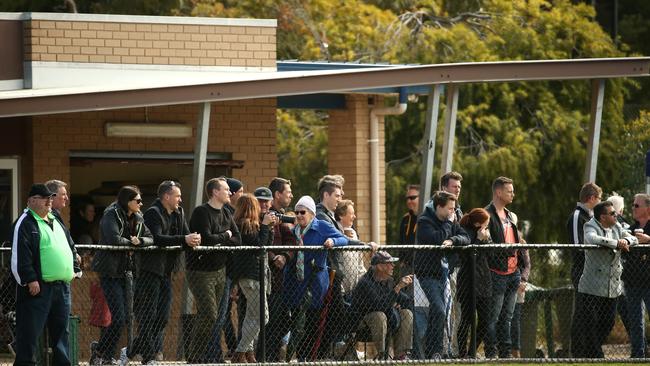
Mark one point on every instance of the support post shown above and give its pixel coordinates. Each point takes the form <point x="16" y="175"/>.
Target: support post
<point x="450" y="128"/>
<point x="198" y="176"/>
<point x="429" y="149"/>
<point x="595" y="118"/>
<point x="200" y="155"/>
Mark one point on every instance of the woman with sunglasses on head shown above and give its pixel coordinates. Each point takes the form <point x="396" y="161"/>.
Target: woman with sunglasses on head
<point x="121" y="225"/>
<point x="255" y="231"/>
<point x="307" y="278"/>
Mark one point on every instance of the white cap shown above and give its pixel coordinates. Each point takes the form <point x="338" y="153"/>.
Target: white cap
<point x="308" y="203"/>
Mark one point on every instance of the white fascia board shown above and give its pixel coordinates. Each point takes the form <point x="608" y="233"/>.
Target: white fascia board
<point x="45" y="75"/>
<point x="142" y="19"/>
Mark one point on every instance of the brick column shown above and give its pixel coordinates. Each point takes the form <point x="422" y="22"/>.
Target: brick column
<point x="349" y="155"/>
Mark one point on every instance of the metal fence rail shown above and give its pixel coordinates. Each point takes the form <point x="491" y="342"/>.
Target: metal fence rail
<point x="454" y="309"/>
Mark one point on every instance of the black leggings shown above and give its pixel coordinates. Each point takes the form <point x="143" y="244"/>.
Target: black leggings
<point x="482" y="311"/>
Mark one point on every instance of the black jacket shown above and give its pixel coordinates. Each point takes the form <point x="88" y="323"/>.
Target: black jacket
<point x="432" y="231"/>
<point x="246" y="263"/>
<point x="483" y="278"/>
<point x="116" y="231"/>
<point x="498" y="259"/>
<point x="636" y="263"/>
<point x="575" y="229"/>
<point x="407" y="228"/>
<point x="25" y="247"/>
<point x="369" y="295"/>
<point x="212" y="224"/>
<point x="168" y="230"/>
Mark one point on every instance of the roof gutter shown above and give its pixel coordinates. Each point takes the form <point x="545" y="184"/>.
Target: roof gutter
<point x="375" y="113"/>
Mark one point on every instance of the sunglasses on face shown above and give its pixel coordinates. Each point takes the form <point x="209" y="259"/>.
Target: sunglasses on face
<point x="613" y="213"/>
<point x="301" y="212"/>
<point x="411" y="198"/>
<point x="138" y="201"/>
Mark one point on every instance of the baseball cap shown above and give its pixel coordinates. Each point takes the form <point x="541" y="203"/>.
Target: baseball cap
<point x="263" y="193"/>
<point x="40" y="189"/>
<point x="382" y="257"/>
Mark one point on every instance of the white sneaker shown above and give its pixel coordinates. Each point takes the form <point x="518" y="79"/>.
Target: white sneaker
<point x="124" y="359"/>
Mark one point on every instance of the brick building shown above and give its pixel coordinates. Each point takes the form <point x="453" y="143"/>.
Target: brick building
<point x="85" y="52"/>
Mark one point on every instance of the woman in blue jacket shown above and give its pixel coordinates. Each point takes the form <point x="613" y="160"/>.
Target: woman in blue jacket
<point x="307" y="277"/>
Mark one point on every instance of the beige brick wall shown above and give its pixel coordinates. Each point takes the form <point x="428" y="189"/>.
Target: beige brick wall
<point x="349" y="155"/>
<point x="147" y="44"/>
<point x="245" y="128"/>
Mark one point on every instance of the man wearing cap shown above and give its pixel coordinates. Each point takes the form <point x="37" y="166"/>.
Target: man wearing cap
<point x="381" y="306"/>
<point x="42" y="262"/>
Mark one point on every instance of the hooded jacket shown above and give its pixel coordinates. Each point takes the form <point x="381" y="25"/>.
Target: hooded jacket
<point x="433" y="231"/>
<point x="115" y="230"/>
<point x="601" y="275"/>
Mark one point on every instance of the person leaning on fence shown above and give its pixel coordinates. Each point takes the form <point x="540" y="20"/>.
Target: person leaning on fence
<point x="475" y="224"/>
<point x="43" y="264"/>
<point x="451" y="182"/>
<point x="505" y="267"/>
<point x="600" y="283"/>
<point x="153" y="286"/>
<point x="381" y="306"/>
<point x="279" y="316"/>
<point x="206" y="270"/>
<point x="636" y="275"/>
<point x="255" y="229"/>
<point x="437" y="225"/>
<point x="590" y="195"/>
<point x="330" y="190"/>
<point x="121" y="225"/>
<point x="306" y="279"/>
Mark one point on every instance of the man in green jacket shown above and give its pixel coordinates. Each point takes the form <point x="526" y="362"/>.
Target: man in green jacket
<point x="42" y="262"/>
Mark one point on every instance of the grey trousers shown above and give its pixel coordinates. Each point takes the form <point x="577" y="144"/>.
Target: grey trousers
<point x="251" y="326"/>
<point x="378" y="325"/>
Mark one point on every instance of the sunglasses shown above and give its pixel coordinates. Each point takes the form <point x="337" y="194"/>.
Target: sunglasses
<point x="301" y="212"/>
<point x="138" y="201"/>
<point x="613" y="213"/>
<point x="411" y="198"/>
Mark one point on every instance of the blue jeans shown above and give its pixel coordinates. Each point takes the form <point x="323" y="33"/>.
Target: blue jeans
<point x="515" y="328"/>
<point x="504" y="297"/>
<point x="434" y="289"/>
<point x="634" y="297"/>
<point x="153" y="299"/>
<point x="115" y="294"/>
<point x="419" y="329"/>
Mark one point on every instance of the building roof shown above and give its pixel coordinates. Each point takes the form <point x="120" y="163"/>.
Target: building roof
<point x="215" y="86"/>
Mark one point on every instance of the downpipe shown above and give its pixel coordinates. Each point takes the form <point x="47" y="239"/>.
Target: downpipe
<point x="375" y="113"/>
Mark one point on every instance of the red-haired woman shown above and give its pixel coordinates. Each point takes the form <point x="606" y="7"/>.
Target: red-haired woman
<point x="475" y="224"/>
<point x="246" y="272"/>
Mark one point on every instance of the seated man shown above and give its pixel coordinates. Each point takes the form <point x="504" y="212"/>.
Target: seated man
<point x="381" y="306"/>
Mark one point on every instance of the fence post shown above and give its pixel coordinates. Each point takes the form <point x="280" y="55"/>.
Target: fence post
<point x="262" y="336"/>
<point x="472" y="265"/>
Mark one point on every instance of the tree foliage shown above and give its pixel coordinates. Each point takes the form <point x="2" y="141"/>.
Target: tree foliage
<point x="533" y="132"/>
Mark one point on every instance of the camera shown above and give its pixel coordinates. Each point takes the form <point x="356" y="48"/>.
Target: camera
<point x="285" y="219"/>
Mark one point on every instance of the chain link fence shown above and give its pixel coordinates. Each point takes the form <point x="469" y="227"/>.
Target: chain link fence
<point x="349" y="304"/>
